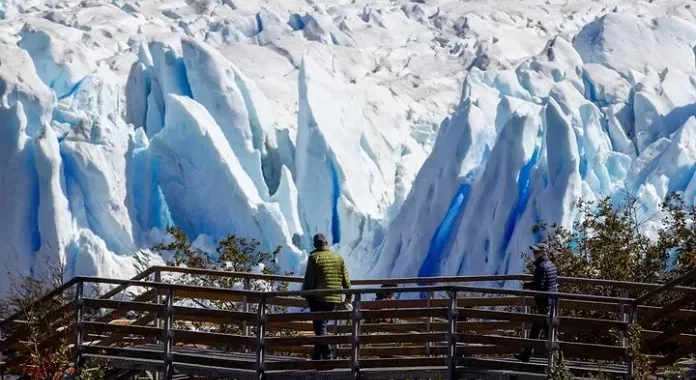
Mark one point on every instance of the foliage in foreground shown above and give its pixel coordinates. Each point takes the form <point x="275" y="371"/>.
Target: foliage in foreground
<point x="232" y="254"/>
<point x="608" y="241"/>
<point x="39" y="360"/>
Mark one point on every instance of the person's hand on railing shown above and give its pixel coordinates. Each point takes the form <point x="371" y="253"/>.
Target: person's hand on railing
<point x="348" y="305"/>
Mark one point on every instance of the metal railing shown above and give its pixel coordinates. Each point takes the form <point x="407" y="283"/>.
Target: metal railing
<point x="260" y="320"/>
<point x="255" y="320"/>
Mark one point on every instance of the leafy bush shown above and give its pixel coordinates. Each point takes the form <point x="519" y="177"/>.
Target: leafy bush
<point x="608" y="241"/>
<point x="233" y="254"/>
<point x="45" y="351"/>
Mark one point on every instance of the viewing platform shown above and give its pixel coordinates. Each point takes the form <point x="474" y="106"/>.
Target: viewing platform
<point x="439" y="328"/>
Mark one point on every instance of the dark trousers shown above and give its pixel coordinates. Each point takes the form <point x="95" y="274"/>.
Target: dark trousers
<point x="321" y="351"/>
<point x="537" y="329"/>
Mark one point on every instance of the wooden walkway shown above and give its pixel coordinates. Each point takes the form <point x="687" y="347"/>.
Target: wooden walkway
<point x="457" y="331"/>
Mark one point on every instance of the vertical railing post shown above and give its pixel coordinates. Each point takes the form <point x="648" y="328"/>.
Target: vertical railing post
<point x="525" y="310"/>
<point x="356" y="320"/>
<point x="157" y="277"/>
<point x="168" y="334"/>
<point x="428" y="324"/>
<point x="624" y="315"/>
<point x="629" y="344"/>
<point x="334" y="347"/>
<point x="552" y="329"/>
<point x="261" y="319"/>
<point x="245" y="308"/>
<point x="452" y="335"/>
<point x="158" y="298"/>
<point x="79" y="321"/>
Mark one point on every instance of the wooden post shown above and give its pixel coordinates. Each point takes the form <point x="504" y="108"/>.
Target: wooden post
<point x="334" y="347"/>
<point x="168" y="334"/>
<point x="552" y="324"/>
<point x="525" y="310"/>
<point x="158" y="299"/>
<point x="356" y="320"/>
<point x="157" y="277"/>
<point x="632" y="318"/>
<point x="79" y="322"/>
<point x="624" y="315"/>
<point x="452" y="336"/>
<point x="245" y="308"/>
<point x="261" y="344"/>
<point x="428" y="325"/>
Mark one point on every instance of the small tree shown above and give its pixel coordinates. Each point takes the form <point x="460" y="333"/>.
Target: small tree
<point x="608" y="241"/>
<point x="44" y="341"/>
<point x="232" y="254"/>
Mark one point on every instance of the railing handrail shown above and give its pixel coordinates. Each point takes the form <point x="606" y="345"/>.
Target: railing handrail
<point x="673" y="284"/>
<point x="38" y="302"/>
<point x="354" y="291"/>
<point x="67" y="285"/>
<point x="656" y="288"/>
<point x="411" y="280"/>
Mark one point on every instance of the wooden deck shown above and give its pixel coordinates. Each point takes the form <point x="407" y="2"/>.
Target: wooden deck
<point x="188" y="360"/>
<point x="458" y="331"/>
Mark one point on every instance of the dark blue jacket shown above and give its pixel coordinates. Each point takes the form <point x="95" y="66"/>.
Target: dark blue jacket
<point x="545" y="280"/>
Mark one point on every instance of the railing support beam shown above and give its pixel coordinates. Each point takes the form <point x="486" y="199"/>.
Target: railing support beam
<point x="428" y="324"/>
<point x="168" y="335"/>
<point x="245" y="308"/>
<point x="552" y="330"/>
<point x="356" y="321"/>
<point x="79" y="322"/>
<point x="525" y="310"/>
<point x="452" y="315"/>
<point x="632" y="318"/>
<point x="261" y="344"/>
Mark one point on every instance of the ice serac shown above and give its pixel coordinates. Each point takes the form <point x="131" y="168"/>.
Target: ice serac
<point x="215" y="85"/>
<point x="138" y="88"/>
<point x="419" y="236"/>
<point x="563" y="168"/>
<point x="60" y="61"/>
<point x="20" y="83"/>
<point x="497" y="200"/>
<point x="673" y="168"/>
<point x="95" y="157"/>
<point x="19" y="195"/>
<point x="662" y="103"/>
<point x="286" y="197"/>
<point x="168" y="77"/>
<point x="347" y="154"/>
<point x="98" y="97"/>
<point x="146" y="204"/>
<point x="54" y="219"/>
<point x="207" y="190"/>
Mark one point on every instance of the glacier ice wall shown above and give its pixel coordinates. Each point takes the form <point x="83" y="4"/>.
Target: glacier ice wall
<point x="424" y="138"/>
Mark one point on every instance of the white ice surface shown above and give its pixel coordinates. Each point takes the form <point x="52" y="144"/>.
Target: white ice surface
<point x="424" y="138"/>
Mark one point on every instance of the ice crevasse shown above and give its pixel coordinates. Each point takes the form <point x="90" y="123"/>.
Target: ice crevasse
<point x="96" y="165"/>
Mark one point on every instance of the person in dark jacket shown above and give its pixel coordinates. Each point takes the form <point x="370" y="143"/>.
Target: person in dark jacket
<point x="545" y="280"/>
<point x="325" y="270"/>
<point x="386" y="295"/>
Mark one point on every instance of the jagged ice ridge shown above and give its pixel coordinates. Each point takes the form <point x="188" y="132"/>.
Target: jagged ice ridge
<point x="424" y="137"/>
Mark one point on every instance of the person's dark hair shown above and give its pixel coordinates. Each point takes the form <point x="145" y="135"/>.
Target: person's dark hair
<point x="385" y="295"/>
<point x="320" y="241"/>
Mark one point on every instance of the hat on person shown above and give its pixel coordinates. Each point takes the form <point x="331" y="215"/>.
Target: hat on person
<point x="541" y="247"/>
<point x="320" y="241"/>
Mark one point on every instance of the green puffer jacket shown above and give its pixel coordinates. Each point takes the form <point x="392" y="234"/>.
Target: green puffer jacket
<point x="326" y="270"/>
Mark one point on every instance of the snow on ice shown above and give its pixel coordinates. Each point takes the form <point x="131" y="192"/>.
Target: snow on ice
<point x="425" y="138"/>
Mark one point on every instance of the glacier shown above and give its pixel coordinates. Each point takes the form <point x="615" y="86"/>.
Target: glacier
<point x="424" y="137"/>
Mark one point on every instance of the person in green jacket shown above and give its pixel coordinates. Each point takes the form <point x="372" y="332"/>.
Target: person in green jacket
<point x="325" y="270"/>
